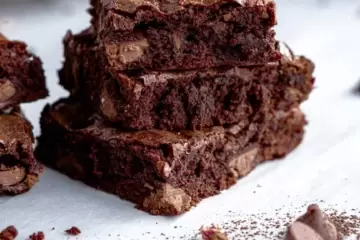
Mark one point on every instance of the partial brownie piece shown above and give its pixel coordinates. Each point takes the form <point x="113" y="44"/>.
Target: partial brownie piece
<point x="19" y="170"/>
<point x="163" y="172"/>
<point x="181" y="100"/>
<point x="21" y="74"/>
<point x="168" y="35"/>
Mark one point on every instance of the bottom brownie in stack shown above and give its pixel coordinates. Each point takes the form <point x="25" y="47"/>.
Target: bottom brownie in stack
<point x="163" y="172"/>
<point x="19" y="170"/>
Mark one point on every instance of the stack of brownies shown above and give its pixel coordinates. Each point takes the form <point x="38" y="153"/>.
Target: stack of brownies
<point x="173" y="101"/>
<point x="21" y="80"/>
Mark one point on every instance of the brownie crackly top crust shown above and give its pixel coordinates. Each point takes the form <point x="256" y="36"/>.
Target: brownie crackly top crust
<point x="169" y="6"/>
<point x="185" y="35"/>
<point x="22" y="77"/>
<point x="19" y="170"/>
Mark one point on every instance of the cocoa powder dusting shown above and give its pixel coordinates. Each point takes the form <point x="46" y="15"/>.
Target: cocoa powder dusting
<point x="274" y="226"/>
<point x="346" y="224"/>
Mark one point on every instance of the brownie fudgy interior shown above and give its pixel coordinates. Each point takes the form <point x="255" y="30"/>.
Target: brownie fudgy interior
<point x="175" y="100"/>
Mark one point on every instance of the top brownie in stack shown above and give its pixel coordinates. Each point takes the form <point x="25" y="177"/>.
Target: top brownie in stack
<point x="184" y="34"/>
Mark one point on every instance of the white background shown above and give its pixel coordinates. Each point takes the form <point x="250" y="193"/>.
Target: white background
<point x="325" y="167"/>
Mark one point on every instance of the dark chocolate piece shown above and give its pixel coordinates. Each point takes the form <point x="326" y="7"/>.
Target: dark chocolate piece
<point x="314" y="224"/>
<point x="181" y="100"/>
<point x="301" y="231"/>
<point x="22" y="77"/>
<point x="19" y="170"/>
<point x="163" y="172"/>
<point x="187" y="34"/>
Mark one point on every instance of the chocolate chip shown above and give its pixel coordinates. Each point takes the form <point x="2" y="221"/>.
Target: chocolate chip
<point x="7" y="90"/>
<point x="10" y="176"/>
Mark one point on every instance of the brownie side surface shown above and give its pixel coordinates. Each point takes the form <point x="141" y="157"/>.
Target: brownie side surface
<point x="162" y="35"/>
<point x="19" y="170"/>
<point x="181" y="100"/>
<point x="284" y="132"/>
<point x="22" y="77"/>
<point x="164" y="173"/>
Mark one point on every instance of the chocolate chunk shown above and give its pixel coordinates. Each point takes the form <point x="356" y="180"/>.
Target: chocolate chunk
<point x="240" y="166"/>
<point x="300" y="231"/>
<point x="10" y="176"/>
<point x="127" y="51"/>
<point x="7" y="90"/>
<point x="319" y="222"/>
<point x="167" y="200"/>
<point x="314" y="224"/>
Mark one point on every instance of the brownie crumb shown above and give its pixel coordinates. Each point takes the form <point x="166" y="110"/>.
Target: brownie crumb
<point x="74" y="231"/>
<point x="37" y="236"/>
<point x="9" y="233"/>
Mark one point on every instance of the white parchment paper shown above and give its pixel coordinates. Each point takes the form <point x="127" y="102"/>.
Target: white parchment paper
<point x="325" y="167"/>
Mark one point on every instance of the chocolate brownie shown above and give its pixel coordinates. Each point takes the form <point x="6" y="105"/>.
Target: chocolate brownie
<point x="19" y="170"/>
<point x="163" y="172"/>
<point x="165" y="35"/>
<point x="176" y="100"/>
<point x="22" y="77"/>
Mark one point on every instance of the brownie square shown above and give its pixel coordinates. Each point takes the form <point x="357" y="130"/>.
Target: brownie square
<point x="21" y="74"/>
<point x="19" y="170"/>
<point x="168" y="35"/>
<point x="174" y="100"/>
<point x="162" y="172"/>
